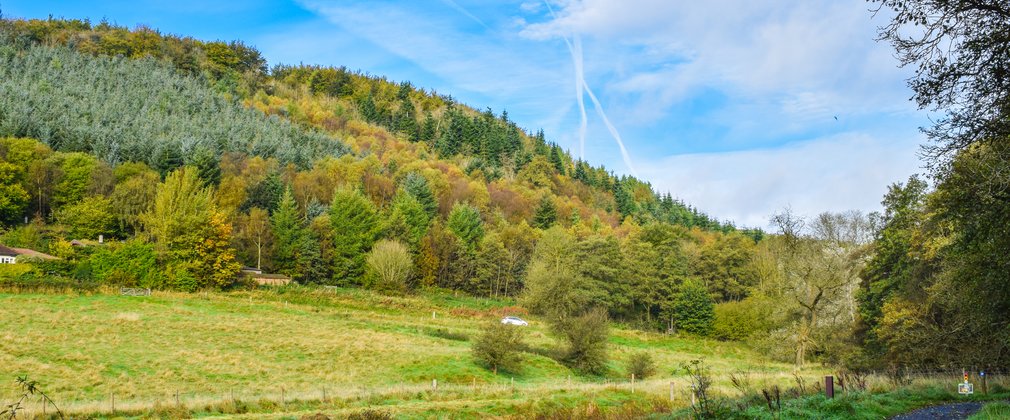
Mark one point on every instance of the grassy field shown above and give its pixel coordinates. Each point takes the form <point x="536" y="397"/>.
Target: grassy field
<point x="280" y="351"/>
<point x="294" y="352"/>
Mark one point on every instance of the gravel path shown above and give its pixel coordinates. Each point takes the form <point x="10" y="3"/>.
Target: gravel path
<point x="942" y="412"/>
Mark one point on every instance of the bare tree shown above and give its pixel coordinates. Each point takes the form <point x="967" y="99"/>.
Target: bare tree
<point x="820" y="265"/>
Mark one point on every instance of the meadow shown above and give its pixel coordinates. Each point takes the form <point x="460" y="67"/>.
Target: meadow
<point x="289" y="347"/>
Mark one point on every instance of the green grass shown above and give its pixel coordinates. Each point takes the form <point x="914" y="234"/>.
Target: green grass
<point x="993" y="411"/>
<point x="858" y="405"/>
<point x="359" y="346"/>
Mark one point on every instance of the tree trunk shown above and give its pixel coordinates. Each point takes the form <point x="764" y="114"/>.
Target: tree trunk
<point x="259" y="254"/>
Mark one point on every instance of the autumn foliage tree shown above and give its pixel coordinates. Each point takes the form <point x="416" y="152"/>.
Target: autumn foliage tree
<point x="190" y="233"/>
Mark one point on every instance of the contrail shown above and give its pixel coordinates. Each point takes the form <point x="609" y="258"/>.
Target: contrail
<point x="579" y="80"/>
<point x="460" y="9"/>
<point x="612" y="129"/>
<point x="581" y="86"/>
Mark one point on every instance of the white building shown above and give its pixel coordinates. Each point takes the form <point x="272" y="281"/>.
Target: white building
<point x="7" y="255"/>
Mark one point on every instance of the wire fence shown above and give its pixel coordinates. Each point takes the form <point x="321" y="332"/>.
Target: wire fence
<point x="678" y="390"/>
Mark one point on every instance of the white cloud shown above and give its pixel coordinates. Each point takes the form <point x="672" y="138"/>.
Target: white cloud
<point x="665" y="52"/>
<point x="701" y="77"/>
<point x="843" y="172"/>
<point x="487" y="64"/>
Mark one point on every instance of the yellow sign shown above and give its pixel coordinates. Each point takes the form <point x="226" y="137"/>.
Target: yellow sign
<point x="965" y="388"/>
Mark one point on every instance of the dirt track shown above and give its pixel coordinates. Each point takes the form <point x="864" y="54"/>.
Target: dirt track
<point x="942" y="412"/>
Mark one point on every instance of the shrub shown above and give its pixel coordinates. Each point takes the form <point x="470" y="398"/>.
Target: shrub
<point x="693" y="309"/>
<point x="641" y="365"/>
<point x="587" y="341"/>
<point x="499" y="346"/>
<point x="134" y="263"/>
<point x="739" y="320"/>
<point x="389" y="267"/>
<point x="700" y="376"/>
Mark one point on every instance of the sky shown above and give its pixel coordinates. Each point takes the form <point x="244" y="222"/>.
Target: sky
<point x="739" y="108"/>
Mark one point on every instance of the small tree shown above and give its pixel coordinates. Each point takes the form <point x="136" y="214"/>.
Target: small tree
<point x="693" y="309"/>
<point x="701" y="382"/>
<point x="546" y="213"/>
<point x="641" y="365"/>
<point x="389" y="266"/>
<point x="587" y="341"/>
<point x="498" y="347"/>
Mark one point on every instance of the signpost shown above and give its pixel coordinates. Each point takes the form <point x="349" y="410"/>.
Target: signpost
<point x="965" y="388"/>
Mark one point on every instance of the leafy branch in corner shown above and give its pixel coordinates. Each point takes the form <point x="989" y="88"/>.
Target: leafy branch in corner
<point x="28" y="389"/>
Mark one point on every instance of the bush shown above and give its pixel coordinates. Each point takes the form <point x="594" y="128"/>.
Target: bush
<point x="389" y="267"/>
<point x="739" y="320"/>
<point x="133" y="263"/>
<point x="499" y="346"/>
<point x="587" y="341"/>
<point x="693" y="309"/>
<point x="641" y="365"/>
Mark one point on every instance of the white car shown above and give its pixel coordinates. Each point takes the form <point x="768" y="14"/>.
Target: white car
<point x="514" y="320"/>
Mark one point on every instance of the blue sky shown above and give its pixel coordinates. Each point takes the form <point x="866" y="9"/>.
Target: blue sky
<point x="738" y="107"/>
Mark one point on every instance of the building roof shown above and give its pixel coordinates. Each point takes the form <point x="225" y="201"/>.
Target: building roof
<point x="33" y="253"/>
<point x="7" y="252"/>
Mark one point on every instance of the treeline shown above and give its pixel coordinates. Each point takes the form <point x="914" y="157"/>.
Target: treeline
<point x="155" y="155"/>
<point x="484" y="146"/>
<point x="343" y="222"/>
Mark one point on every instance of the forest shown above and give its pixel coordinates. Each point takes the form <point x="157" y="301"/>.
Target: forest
<point x="193" y="159"/>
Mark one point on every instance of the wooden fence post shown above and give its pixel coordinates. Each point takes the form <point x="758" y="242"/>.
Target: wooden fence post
<point x="177" y="398"/>
<point x="632" y="383"/>
<point x="434" y="384"/>
<point x="829" y="386"/>
<point x="671" y="391"/>
<point x="113" y="402"/>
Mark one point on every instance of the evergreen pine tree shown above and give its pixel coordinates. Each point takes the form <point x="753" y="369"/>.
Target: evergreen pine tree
<point x="556" y="159"/>
<point x="546" y="214"/>
<point x="207" y="166"/>
<point x="465" y="222"/>
<point x="428" y="129"/>
<point x="296" y="253"/>
<point x="355" y="226"/>
<point x="580" y="173"/>
<point x="417" y="185"/>
<point x="624" y="201"/>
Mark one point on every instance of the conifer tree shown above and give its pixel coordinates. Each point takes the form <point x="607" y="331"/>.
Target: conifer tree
<point x="556" y="159"/>
<point x="355" y="226"/>
<point x="546" y="214"/>
<point x="207" y="166"/>
<point x="428" y="129"/>
<point x="417" y="185"/>
<point x="292" y="254"/>
<point x="692" y="309"/>
<point x="465" y="222"/>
